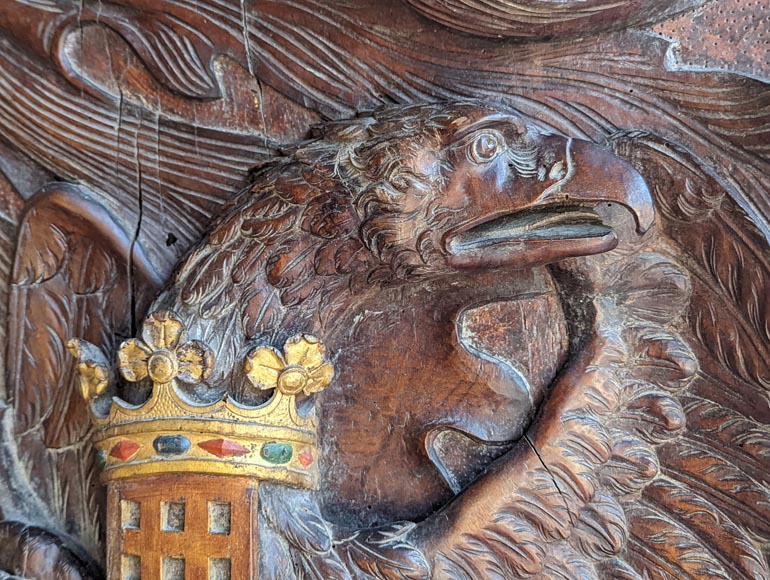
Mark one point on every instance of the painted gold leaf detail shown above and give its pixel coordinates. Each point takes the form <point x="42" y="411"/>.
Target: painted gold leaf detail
<point x="305" y="351"/>
<point x="92" y="369"/>
<point x="301" y="368"/>
<point x="320" y="378"/>
<point x="196" y="361"/>
<point x="132" y="360"/>
<point x="161" y="357"/>
<point x="93" y="380"/>
<point x="263" y="367"/>
<point x="163" y="329"/>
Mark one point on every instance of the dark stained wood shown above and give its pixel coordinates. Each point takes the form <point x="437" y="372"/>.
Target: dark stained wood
<point x="544" y="19"/>
<point x="532" y="236"/>
<point x="722" y="36"/>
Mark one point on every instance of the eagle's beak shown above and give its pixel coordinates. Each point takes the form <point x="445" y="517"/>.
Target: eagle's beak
<point x="560" y="216"/>
<point x="595" y="175"/>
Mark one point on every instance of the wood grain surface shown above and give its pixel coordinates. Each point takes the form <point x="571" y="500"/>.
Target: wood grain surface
<point x="532" y="234"/>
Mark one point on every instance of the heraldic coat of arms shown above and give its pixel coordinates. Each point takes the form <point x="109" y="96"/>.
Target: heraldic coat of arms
<point x="421" y="290"/>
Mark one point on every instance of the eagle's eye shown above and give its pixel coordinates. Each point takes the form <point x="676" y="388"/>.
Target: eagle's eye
<point x="486" y="146"/>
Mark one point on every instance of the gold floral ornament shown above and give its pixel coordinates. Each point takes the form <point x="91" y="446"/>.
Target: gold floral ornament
<point x="302" y="368"/>
<point x="92" y="368"/>
<point x="163" y="355"/>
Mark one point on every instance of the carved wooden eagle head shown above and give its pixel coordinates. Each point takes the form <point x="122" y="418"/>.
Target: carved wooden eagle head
<point x="438" y="187"/>
<point x="387" y="236"/>
<point x="428" y="189"/>
<point x="380" y="236"/>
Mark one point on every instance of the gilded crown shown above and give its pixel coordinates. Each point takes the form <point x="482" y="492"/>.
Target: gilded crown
<point x="173" y="433"/>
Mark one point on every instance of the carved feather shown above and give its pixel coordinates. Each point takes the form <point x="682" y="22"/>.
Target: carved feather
<point x="296" y="520"/>
<point x="721" y="481"/>
<point x="297" y="515"/>
<point x="744" y="442"/>
<point x="656" y="417"/>
<point x="634" y="463"/>
<point x="181" y="60"/>
<point x="601" y="529"/>
<point x="653" y="287"/>
<point x="384" y="554"/>
<point x="617" y="569"/>
<point x="70" y="279"/>
<point x="30" y="552"/>
<point x="726" y="541"/>
<point x="280" y="565"/>
<point x="565" y="563"/>
<point x="662" y="549"/>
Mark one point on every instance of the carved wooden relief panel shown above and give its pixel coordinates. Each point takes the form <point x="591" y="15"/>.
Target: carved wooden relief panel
<point x="420" y="289"/>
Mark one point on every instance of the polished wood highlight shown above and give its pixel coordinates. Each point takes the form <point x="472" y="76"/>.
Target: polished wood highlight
<point x="420" y="289"/>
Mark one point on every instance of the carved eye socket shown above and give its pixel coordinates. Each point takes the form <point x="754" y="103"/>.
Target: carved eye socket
<point x="485" y="147"/>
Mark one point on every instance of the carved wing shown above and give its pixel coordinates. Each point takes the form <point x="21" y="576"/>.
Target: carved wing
<point x="712" y="490"/>
<point x="659" y="513"/>
<point x="76" y="273"/>
<point x="650" y="459"/>
<point x="524" y="19"/>
<point x="258" y="233"/>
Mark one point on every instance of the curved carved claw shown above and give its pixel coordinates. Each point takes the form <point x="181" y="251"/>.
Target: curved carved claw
<point x="31" y="552"/>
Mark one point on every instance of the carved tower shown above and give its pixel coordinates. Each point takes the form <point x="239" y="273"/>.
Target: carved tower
<point x="182" y="472"/>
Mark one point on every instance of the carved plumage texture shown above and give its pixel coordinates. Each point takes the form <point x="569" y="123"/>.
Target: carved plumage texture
<point x="290" y="251"/>
<point x="650" y="454"/>
<point x="72" y="276"/>
<point x="627" y="486"/>
<point x="630" y="487"/>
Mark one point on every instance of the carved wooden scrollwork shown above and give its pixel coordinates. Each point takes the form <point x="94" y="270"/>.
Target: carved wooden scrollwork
<point x="410" y="290"/>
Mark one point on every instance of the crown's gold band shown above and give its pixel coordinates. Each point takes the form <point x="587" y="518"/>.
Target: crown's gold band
<point x="170" y="435"/>
<point x="262" y="459"/>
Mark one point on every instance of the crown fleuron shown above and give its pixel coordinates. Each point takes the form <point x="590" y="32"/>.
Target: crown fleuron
<point x="172" y="433"/>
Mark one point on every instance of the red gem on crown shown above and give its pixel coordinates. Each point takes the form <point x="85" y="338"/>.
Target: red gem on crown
<point x="124" y="449"/>
<point x="305" y="458"/>
<point x="223" y="448"/>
